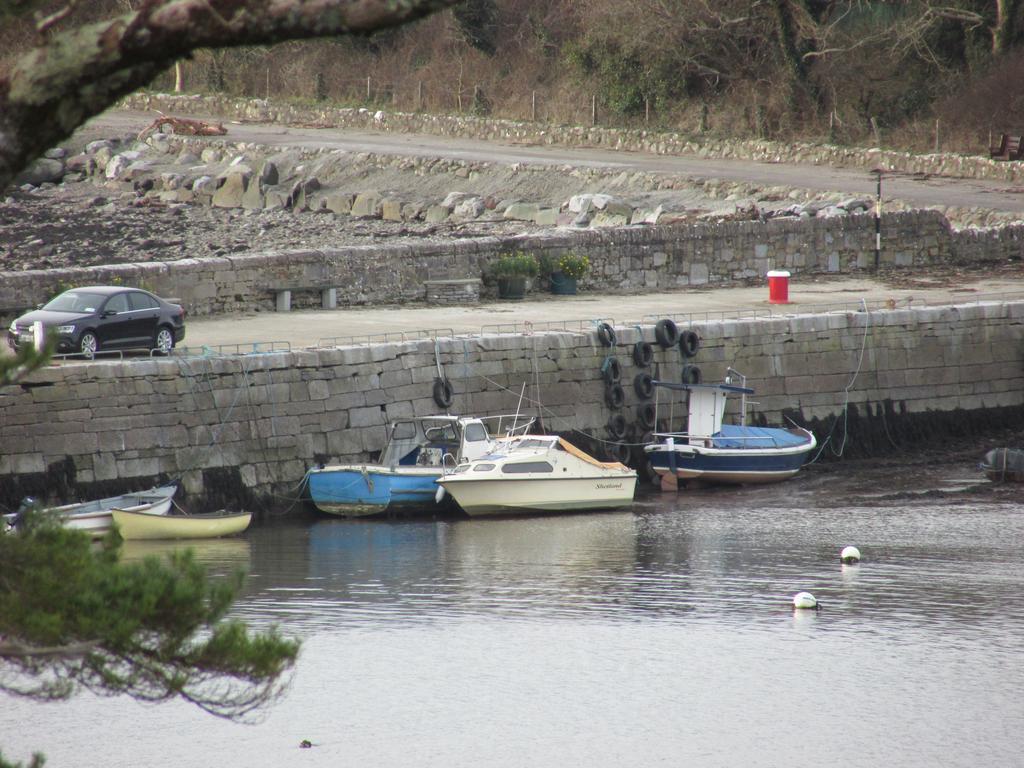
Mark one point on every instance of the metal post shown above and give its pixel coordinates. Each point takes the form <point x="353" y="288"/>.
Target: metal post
<point x="533" y="106"/>
<point x="367" y="88"/>
<point x="419" y="96"/>
<point x="593" y="110"/>
<point x="936" y="135"/>
<point x="878" y="220"/>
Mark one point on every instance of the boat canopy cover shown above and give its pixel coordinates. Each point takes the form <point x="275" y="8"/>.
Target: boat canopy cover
<point x="688" y="387"/>
<point x="735" y="436"/>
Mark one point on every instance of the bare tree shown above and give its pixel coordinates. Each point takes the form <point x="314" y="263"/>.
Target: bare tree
<point x="74" y="75"/>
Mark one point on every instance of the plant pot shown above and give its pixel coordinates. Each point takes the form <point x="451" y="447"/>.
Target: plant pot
<point x="511" y="287"/>
<point x="562" y="284"/>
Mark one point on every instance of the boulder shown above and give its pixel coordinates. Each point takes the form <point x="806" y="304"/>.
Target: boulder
<point x="116" y="166"/>
<point x="367" y="205"/>
<point x="95" y="146"/>
<point x="469" y="208"/>
<point x="339" y="203"/>
<point x="605" y="219"/>
<point x="436" y="214"/>
<point x="546" y="217"/>
<point x="521" y="212"/>
<point x="269" y="174"/>
<point x="391" y="209"/>
<point x="55" y="153"/>
<point x="252" y="199"/>
<point x="230" y="193"/>
<point x="204" y="185"/>
<point x="210" y="156"/>
<point x="452" y="199"/>
<point x="42" y="171"/>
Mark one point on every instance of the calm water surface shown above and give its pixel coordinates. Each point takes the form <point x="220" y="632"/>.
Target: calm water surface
<point x="660" y="635"/>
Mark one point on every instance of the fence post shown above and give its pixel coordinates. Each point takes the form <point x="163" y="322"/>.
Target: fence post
<point x="268" y="82"/>
<point x="874" y="129"/>
<point x="936" y="135"/>
<point x="593" y="109"/>
<point x="647" y="110"/>
<point x="533" y="106"/>
<point x="367" y="88"/>
<point x="419" y="96"/>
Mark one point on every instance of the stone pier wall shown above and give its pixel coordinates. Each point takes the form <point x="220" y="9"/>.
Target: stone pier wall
<point x="245" y="429"/>
<point x="627" y="260"/>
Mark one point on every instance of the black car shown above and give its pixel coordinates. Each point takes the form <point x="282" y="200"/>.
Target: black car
<point x="87" y="320"/>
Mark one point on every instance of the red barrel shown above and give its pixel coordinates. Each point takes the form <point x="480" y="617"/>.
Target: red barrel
<point x="778" y="287"/>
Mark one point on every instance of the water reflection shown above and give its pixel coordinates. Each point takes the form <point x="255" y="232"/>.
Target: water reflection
<point x="662" y="634"/>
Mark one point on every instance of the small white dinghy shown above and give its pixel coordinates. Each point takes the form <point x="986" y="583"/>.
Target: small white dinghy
<point x="94" y="517"/>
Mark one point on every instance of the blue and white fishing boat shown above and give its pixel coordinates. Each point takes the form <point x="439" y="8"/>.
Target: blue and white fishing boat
<point x="403" y="481"/>
<point x="713" y="452"/>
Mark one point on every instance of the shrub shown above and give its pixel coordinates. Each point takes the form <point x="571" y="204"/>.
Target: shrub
<point x="574" y="265"/>
<point x="514" y="264"/>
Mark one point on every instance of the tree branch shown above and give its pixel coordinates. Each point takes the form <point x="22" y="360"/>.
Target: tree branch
<point x="55" y="88"/>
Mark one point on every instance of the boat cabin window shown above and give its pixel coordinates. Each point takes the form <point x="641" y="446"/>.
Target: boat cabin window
<point x="475" y="433"/>
<point x="483" y="467"/>
<point x="533" y="443"/>
<point x="527" y="466"/>
<point x="403" y="430"/>
<point x="440" y="433"/>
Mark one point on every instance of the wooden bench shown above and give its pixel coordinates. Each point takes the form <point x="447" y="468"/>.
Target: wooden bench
<point x="283" y="297"/>
<point x="1010" y="147"/>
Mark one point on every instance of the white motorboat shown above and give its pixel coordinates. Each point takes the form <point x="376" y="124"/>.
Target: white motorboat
<point x="538" y="473"/>
<point x="94" y="517"/>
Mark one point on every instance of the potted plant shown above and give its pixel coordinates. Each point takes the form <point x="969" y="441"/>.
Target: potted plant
<point x="511" y="271"/>
<point x="568" y="269"/>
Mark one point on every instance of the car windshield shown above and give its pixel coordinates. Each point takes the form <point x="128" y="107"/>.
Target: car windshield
<point x="75" y="301"/>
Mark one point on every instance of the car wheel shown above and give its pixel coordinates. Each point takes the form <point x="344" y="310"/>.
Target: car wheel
<point x="164" y="341"/>
<point x="88" y="345"/>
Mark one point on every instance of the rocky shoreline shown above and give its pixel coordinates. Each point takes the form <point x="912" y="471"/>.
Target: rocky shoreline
<point x="117" y="200"/>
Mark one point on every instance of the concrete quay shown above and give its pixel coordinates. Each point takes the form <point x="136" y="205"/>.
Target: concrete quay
<point x="807" y="294"/>
<point x="240" y="420"/>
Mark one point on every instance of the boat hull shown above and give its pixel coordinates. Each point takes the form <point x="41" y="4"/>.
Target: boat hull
<point x="362" y="491"/>
<point x="728" y="466"/>
<point x="135" y="526"/>
<point x="509" y="496"/>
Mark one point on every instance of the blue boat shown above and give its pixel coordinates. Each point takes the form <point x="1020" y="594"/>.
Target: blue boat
<point x="403" y="481"/>
<point x="713" y="452"/>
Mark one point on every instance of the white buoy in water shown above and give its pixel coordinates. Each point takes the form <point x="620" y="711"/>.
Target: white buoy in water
<point x="805" y="600"/>
<point x="849" y="555"/>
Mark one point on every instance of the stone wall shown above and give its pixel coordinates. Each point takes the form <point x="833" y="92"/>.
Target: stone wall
<point x="623" y="260"/>
<point x="657" y="142"/>
<point x="242" y="427"/>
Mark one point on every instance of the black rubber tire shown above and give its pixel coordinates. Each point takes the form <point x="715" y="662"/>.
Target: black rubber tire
<point x="645" y="415"/>
<point x="616" y="426"/>
<point x="691" y="375"/>
<point x="666" y="333"/>
<point x="619" y="452"/>
<point x="606" y="335"/>
<point x="643" y="385"/>
<point x="614" y="396"/>
<point x="611" y="371"/>
<point x="643" y="354"/>
<point x="443" y="392"/>
<point x="689" y="343"/>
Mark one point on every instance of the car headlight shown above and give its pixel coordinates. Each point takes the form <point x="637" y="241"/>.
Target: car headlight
<point x="68" y="329"/>
<point x="14" y="326"/>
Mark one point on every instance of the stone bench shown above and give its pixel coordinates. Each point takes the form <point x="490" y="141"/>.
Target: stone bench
<point x="283" y="297"/>
<point x="456" y="291"/>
